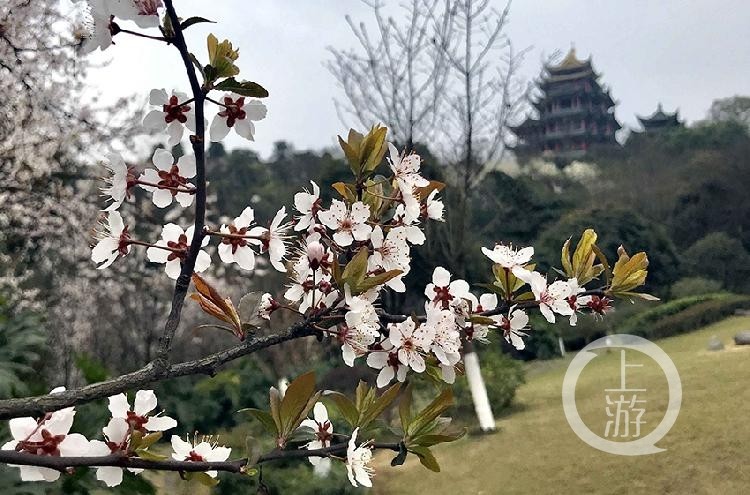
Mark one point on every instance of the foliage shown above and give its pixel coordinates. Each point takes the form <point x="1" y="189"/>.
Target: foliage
<point x="683" y="315"/>
<point x="725" y="256"/>
<point x="694" y="286"/>
<point x="22" y="348"/>
<point x="629" y="228"/>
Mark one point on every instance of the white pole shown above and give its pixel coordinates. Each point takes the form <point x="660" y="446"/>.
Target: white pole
<point x="562" y="346"/>
<point x="478" y="392"/>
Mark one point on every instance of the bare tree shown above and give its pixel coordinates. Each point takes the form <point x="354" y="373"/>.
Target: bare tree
<point x="400" y="74"/>
<point x="485" y="95"/>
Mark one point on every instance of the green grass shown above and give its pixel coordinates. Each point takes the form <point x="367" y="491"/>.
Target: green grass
<point x="535" y="451"/>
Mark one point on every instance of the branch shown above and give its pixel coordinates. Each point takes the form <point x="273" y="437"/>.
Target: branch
<point x="197" y="141"/>
<point x="501" y="308"/>
<point x="30" y="406"/>
<point x="62" y="464"/>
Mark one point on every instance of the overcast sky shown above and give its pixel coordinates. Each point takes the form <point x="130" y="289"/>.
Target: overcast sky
<point x="681" y="53"/>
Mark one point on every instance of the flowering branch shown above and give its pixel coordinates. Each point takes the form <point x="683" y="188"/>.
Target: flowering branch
<point x="197" y="142"/>
<point x="63" y="464"/>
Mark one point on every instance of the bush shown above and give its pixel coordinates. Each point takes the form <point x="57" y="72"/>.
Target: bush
<point x="683" y="315"/>
<point x="694" y="286"/>
<point x="502" y="376"/>
<point x="724" y="256"/>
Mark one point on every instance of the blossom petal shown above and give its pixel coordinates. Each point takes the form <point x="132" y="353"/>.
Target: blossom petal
<point x="118" y="405"/>
<point x="160" y="423"/>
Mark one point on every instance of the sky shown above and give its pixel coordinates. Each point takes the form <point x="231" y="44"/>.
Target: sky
<point x="682" y="53"/>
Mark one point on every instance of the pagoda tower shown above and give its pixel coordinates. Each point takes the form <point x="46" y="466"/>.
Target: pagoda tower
<point x="573" y="112"/>
<point x="660" y="120"/>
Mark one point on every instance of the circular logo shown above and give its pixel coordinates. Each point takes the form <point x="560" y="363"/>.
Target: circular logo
<point x="621" y="408"/>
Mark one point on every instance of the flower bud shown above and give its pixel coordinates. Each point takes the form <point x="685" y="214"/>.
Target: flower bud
<point x="315" y="254"/>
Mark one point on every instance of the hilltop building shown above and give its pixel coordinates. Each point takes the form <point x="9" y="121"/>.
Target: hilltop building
<point x="572" y="113"/>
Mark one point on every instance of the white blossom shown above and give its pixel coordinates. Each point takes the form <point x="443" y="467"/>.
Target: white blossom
<point x="513" y="326"/>
<point x="172" y="249"/>
<point x="406" y="170"/>
<point x="361" y="329"/>
<point x="140" y="417"/>
<point x="112" y="242"/>
<point x="99" y="34"/>
<point x="443" y="292"/>
<point x="357" y="462"/>
<point x="308" y="205"/>
<point x="349" y="225"/>
<point x="50" y="436"/>
<point x="267" y="306"/>
<point x="273" y="239"/>
<point x="386" y="360"/>
<point x="237" y="249"/>
<point x="434" y="207"/>
<point x="116" y="434"/>
<point x="203" y="451"/>
<point x="575" y="301"/>
<point x="390" y="253"/>
<point x="552" y="299"/>
<point x="238" y="115"/>
<point x="117" y="183"/>
<point x="323" y="430"/>
<point x="143" y="12"/>
<point x="168" y="177"/>
<point x="509" y="258"/>
<point x="446" y="339"/>
<point x="172" y="115"/>
<point x="411" y="341"/>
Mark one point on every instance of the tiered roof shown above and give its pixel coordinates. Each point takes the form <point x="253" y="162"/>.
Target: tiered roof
<point x="660" y="119"/>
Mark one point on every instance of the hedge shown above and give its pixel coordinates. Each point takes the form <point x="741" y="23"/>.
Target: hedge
<point x="683" y="315"/>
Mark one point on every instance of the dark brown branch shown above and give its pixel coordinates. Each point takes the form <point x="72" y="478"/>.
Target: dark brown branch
<point x="31" y="406"/>
<point x="197" y="141"/>
<point x="62" y="464"/>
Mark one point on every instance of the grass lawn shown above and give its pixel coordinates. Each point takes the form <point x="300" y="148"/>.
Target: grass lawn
<point x="535" y="451"/>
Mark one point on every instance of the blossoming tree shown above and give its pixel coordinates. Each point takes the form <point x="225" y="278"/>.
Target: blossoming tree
<point x="339" y="259"/>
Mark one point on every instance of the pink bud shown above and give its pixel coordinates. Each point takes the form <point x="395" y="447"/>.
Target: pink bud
<point x="315" y="254"/>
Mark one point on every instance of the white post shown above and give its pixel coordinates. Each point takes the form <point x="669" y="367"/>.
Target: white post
<point x="478" y="392"/>
<point x="562" y="346"/>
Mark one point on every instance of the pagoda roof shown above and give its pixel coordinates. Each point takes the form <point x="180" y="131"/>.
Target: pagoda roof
<point x="660" y="117"/>
<point x="571" y="63"/>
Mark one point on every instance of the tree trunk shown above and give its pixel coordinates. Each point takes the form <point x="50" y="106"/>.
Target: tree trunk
<point x="478" y="391"/>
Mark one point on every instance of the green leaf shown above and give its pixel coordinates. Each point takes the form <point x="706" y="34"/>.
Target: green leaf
<point x="150" y="439"/>
<point x="376" y="280"/>
<point x="193" y="20"/>
<point x="430" y="413"/>
<point x="295" y="402"/>
<point x="344" y="405"/>
<point x="426" y="458"/>
<point x="242" y="88"/>
<point x="347" y="191"/>
<point x="430" y="440"/>
<point x="355" y="270"/>
<point x="274" y="397"/>
<point x="252" y="450"/>
<point x="264" y="417"/>
<point x="202" y="478"/>
<point x="379" y="405"/>
<point x="404" y="407"/>
<point x="149" y="456"/>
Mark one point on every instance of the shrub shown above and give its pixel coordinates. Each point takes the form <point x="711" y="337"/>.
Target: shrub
<point x="502" y="376"/>
<point x="683" y="315"/>
<point x="694" y="286"/>
<point x="725" y="257"/>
